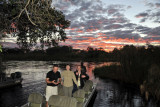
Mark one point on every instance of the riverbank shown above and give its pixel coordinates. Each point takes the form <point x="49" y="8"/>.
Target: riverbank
<point x="55" y="57"/>
<point x="60" y="53"/>
<point x="148" y="82"/>
<point x="115" y="72"/>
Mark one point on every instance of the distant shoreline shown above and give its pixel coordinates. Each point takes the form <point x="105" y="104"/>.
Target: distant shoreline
<point x="33" y="57"/>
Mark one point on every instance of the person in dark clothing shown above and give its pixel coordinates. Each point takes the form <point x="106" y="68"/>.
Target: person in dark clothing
<point x="83" y="68"/>
<point x="53" y="78"/>
<point x="81" y="77"/>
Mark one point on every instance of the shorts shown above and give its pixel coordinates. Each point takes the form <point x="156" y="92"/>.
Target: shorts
<point x="51" y="91"/>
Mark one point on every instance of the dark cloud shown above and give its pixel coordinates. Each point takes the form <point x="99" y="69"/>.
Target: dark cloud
<point x="80" y="38"/>
<point x="141" y="15"/>
<point x="150" y="4"/>
<point x="91" y="17"/>
<point x="130" y="25"/>
<point x="154" y="31"/>
<point x="128" y="7"/>
<point x="152" y="14"/>
<point x="157" y="5"/>
<point x="113" y="26"/>
<point x="92" y="22"/>
<point x="124" y="34"/>
<point x="85" y="6"/>
<point x="142" y="29"/>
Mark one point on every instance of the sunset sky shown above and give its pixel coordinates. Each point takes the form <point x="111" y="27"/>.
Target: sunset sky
<point x="109" y="24"/>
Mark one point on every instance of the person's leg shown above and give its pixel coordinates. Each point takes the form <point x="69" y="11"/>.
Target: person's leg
<point x="75" y="88"/>
<point x="70" y="91"/>
<point x="65" y="91"/>
<point x="55" y="90"/>
<point x="48" y="94"/>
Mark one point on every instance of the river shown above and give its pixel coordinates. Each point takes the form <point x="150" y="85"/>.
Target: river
<point x="110" y="93"/>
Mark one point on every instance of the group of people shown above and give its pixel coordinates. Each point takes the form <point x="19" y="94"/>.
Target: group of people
<point x="71" y="81"/>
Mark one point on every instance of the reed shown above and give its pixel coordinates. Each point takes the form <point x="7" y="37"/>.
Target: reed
<point x="148" y="82"/>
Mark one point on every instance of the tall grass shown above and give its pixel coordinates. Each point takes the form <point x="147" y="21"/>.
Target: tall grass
<point x="152" y="83"/>
<point x="150" y="79"/>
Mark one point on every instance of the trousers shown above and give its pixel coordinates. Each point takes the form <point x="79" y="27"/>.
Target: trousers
<point x="68" y="91"/>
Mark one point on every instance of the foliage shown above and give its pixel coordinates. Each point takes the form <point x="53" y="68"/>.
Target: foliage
<point x="55" y="53"/>
<point x="110" y="71"/>
<point x="31" y="21"/>
<point x="153" y="80"/>
<point x="138" y="65"/>
<point x="95" y="53"/>
<point x="59" y="50"/>
<point x="135" y="63"/>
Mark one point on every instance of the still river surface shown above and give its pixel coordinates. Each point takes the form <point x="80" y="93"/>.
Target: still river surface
<point x="110" y="93"/>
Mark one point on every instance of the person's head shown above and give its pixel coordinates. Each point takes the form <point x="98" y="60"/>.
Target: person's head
<point x="79" y="68"/>
<point x="55" y="67"/>
<point x="68" y="67"/>
<point x="81" y="63"/>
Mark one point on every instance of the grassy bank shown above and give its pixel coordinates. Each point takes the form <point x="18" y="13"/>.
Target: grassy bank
<point x="115" y="72"/>
<point x="149" y="80"/>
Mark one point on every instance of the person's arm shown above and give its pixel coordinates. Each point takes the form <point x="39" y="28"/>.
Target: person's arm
<point x="74" y="79"/>
<point x="62" y="78"/>
<point x="59" y="78"/>
<point x="85" y="76"/>
<point x="47" y="81"/>
<point x="76" y="74"/>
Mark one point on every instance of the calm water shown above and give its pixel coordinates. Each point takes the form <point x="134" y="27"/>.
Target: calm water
<point x="110" y="93"/>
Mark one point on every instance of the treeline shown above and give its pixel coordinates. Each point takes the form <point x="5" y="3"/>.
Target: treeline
<point x="62" y="53"/>
<point x="138" y="65"/>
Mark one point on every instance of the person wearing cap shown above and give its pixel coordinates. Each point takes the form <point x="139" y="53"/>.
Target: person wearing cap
<point x="53" y="78"/>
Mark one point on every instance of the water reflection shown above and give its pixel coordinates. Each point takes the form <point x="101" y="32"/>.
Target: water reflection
<point x="36" y="70"/>
<point x="110" y="93"/>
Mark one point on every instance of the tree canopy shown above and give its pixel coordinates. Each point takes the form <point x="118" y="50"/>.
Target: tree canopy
<point x="31" y="21"/>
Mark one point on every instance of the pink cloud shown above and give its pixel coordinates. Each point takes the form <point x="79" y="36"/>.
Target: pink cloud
<point x="109" y="44"/>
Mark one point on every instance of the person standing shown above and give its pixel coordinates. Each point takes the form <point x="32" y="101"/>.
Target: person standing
<point x="81" y="77"/>
<point x="83" y="68"/>
<point x="68" y="78"/>
<point x="53" y="78"/>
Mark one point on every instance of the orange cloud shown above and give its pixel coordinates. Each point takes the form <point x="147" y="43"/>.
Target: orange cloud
<point x="80" y="31"/>
<point x="70" y="28"/>
<point x="139" y="16"/>
<point x="91" y="30"/>
<point x="101" y="34"/>
<point x="105" y="42"/>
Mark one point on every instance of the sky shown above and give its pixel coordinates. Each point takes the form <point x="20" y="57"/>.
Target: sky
<point x="109" y="24"/>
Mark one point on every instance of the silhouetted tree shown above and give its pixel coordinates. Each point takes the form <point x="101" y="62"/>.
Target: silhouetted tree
<point x="31" y="21"/>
